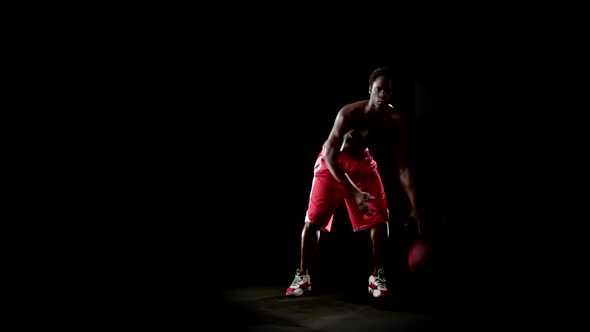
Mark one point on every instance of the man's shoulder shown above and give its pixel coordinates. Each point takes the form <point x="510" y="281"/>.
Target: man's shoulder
<point x="354" y="107"/>
<point x="358" y="105"/>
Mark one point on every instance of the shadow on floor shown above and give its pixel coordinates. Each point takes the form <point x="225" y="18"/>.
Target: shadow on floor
<point x="267" y="309"/>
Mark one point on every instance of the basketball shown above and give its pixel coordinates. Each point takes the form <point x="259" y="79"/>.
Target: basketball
<point x="419" y="254"/>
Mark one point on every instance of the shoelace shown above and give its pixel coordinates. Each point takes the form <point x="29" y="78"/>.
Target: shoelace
<point x="380" y="282"/>
<point x="299" y="279"/>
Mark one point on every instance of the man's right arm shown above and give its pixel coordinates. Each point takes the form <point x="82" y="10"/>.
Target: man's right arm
<point x="333" y="144"/>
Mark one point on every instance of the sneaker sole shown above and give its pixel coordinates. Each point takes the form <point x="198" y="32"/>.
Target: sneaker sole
<point x="303" y="292"/>
<point x="372" y="292"/>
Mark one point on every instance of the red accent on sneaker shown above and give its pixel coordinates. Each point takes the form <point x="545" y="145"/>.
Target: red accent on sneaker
<point x="303" y="287"/>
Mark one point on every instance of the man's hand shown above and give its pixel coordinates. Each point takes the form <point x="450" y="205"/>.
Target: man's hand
<point x="361" y="198"/>
<point x="415" y="218"/>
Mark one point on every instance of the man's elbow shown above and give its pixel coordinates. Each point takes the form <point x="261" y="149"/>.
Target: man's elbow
<point x="331" y="152"/>
<point x="332" y="158"/>
<point x="405" y="171"/>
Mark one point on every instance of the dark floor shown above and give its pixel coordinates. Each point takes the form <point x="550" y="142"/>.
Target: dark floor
<point x="268" y="309"/>
<point x="334" y="304"/>
<point x="254" y="297"/>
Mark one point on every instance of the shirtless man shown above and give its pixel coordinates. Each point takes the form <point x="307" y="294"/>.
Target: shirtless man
<point x="346" y="171"/>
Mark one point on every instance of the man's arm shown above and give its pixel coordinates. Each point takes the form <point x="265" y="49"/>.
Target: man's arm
<point x="333" y="144"/>
<point x="406" y="174"/>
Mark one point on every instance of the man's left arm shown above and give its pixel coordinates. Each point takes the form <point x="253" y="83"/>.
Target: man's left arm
<point x="405" y="168"/>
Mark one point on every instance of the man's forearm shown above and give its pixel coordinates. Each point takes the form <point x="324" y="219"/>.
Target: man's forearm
<point x="407" y="181"/>
<point x="338" y="173"/>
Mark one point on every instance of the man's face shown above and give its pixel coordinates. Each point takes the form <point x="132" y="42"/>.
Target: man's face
<point x="381" y="91"/>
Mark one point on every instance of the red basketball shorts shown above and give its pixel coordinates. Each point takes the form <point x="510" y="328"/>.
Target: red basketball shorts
<point x="327" y="194"/>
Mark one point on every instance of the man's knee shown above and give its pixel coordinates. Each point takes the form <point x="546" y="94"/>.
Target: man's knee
<point x="381" y="228"/>
<point x="308" y="226"/>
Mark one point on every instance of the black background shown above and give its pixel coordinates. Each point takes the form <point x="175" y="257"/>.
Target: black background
<point x="491" y="101"/>
<point x="291" y="77"/>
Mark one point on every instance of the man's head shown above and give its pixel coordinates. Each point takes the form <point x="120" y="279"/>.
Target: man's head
<point x="380" y="87"/>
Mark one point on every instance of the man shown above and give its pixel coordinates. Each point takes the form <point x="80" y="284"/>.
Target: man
<point x="345" y="171"/>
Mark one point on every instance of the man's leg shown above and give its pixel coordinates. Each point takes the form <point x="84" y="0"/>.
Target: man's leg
<point x="379" y="237"/>
<point x="325" y="197"/>
<point x="377" y="282"/>
<point x="310" y="236"/>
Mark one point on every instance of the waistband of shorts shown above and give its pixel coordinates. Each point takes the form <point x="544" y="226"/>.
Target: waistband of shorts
<point x="366" y="154"/>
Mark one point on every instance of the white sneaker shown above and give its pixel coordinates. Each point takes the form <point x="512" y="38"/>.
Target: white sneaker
<point x="377" y="285"/>
<point x="301" y="284"/>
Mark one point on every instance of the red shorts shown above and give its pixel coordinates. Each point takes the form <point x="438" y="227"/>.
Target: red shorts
<point x="327" y="193"/>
